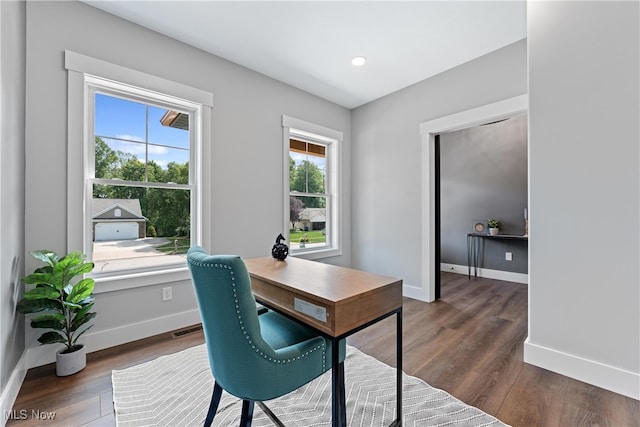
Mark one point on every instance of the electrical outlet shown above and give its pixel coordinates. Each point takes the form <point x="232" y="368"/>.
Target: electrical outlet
<point x="507" y="256"/>
<point x="166" y="294"/>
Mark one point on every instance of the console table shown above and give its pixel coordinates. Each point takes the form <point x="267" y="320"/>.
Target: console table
<point x="473" y="247"/>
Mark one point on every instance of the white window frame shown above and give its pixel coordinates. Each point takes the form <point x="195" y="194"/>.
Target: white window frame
<point x="84" y="75"/>
<point x="332" y="140"/>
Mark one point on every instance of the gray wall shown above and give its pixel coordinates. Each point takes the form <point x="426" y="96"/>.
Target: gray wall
<point x="387" y="193"/>
<point x="247" y="140"/>
<point x="483" y="175"/>
<point x="12" y="86"/>
<point x="584" y="134"/>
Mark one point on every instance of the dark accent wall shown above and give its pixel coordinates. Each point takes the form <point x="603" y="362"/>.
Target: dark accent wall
<point x="483" y="173"/>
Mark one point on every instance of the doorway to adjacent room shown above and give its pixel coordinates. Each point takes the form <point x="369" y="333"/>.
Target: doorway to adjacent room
<point x="430" y="131"/>
<point x="481" y="177"/>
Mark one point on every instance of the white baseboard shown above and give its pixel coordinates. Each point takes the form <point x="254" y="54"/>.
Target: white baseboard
<point x="509" y="276"/>
<point x="414" y="292"/>
<point x="608" y="377"/>
<point x="421" y="294"/>
<point x="44" y="354"/>
<point x="10" y="392"/>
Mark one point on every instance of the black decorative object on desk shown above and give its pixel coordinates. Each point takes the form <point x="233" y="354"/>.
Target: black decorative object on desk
<point x="280" y="250"/>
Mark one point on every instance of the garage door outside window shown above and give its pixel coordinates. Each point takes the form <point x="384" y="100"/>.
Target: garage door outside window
<point x="116" y="231"/>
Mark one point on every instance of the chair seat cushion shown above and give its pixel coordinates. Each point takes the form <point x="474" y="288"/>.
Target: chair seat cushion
<point x="280" y="331"/>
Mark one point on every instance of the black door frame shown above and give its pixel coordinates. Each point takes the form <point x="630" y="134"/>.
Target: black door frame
<point x="437" y="216"/>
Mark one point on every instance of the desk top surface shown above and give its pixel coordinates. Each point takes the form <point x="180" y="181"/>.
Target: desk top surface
<point x="341" y="299"/>
<point x="331" y="283"/>
<point x="499" y="236"/>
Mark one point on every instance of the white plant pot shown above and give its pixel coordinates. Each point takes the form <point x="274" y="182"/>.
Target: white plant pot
<point x="494" y="231"/>
<point x="70" y="363"/>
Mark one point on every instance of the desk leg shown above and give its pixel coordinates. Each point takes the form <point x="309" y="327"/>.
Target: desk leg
<point x="469" y="255"/>
<point x="338" y="402"/>
<point x="476" y="249"/>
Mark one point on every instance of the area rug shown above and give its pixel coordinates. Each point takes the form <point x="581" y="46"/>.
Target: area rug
<point x="175" y="390"/>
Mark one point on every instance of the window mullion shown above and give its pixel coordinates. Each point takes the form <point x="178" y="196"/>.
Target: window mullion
<point x="306" y="169"/>
<point x="299" y="194"/>
<point x="122" y="183"/>
<point x="146" y="143"/>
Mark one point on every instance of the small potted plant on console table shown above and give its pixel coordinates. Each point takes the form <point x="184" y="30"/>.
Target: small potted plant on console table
<point x="494" y="226"/>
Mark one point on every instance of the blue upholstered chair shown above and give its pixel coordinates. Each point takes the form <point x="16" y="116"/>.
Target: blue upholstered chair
<point x="253" y="357"/>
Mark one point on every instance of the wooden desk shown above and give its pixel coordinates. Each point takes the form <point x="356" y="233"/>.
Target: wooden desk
<point x="336" y="301"/>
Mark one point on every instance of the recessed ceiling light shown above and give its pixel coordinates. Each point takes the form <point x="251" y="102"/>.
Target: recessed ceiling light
<point x="358" y="61"/>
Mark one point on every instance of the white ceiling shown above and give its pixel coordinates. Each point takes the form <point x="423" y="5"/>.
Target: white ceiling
<point x="309" y="45"/>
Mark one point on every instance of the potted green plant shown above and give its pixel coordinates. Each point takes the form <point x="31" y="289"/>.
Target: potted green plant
<point x="303" y="241"/>
<point x="494" y="226"/>
<point x="61" y="301"/>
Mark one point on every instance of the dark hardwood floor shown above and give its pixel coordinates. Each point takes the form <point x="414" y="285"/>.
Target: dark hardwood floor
<point x="469" y="343"/>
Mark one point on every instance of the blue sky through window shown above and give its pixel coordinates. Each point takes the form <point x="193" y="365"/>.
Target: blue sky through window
<point x="123" y="125"/>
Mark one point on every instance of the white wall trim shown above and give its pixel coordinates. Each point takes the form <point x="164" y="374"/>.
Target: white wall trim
<point x="2" y="144"/>
<point x="87" y="65"/>
<point x="428" y="131"/>
<point x="608" y="377"/>
<point x="44" y="354"/>
<point x="141" y="279"/>
<point x="12" y="389"/>
<point x="508" y="276"/>
<point x="316" y="129"/>
<point x="413" y="292"/>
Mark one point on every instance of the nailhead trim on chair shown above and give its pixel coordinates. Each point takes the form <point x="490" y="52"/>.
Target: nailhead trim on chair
<point x="251" y="343"/>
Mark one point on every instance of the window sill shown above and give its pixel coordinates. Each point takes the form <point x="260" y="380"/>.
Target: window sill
<point x="139" y="279"/>
<point x="317" y="253"/>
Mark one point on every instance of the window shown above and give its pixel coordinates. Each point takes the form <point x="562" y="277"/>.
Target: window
<point x="135" y="207"/>
<point x="140" y="154"/>
<point x="312" y="208"/>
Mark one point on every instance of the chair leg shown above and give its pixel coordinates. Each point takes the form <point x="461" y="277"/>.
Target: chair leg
<point x="213" y="406"/>
<point x="247" y="413"/>
<point x="275" y="420"/>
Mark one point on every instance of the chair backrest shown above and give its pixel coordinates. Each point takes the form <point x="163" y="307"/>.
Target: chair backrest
<point x="229" y="318"/>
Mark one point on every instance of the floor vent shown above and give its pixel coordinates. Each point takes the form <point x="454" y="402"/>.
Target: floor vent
<point x="186" y="331"/>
